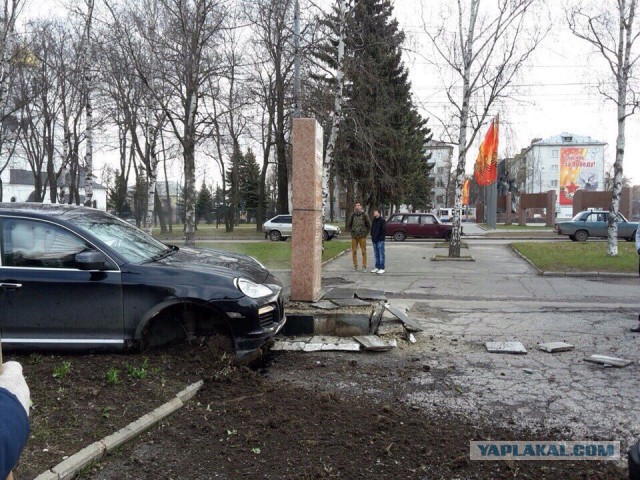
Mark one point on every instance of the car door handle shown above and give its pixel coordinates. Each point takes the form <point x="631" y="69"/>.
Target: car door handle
<point x="11" y="286"/>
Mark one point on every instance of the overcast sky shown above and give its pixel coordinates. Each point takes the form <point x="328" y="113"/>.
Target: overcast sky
<point x="556" y="92"/>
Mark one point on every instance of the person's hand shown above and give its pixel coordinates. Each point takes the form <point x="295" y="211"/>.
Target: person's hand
<point x="12" y="379"/>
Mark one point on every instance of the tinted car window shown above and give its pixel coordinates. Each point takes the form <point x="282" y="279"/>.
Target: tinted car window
<point x="412" y="219"/>
<point x="28" y="243"/>
<point x="428" y="219"/>
<point x="282" y="219"/>
<point x="396" y="218"/>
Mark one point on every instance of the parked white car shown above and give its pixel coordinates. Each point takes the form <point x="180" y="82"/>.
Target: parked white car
<point x="279" y="228"/>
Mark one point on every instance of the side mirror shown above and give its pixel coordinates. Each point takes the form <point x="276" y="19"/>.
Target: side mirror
<point x="91" y="261"/>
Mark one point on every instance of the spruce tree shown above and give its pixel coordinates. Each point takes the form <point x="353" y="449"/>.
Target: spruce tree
<point x="381" y="150"/>
<point x="204" y="205"/>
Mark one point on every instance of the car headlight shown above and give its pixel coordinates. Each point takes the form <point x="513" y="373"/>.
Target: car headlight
<point x="252" y="289"/>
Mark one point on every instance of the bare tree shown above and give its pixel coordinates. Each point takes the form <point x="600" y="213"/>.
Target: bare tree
<point x="613" y="31"/>
<point x="88" y="86"/>
<point x="272" y="21"/>
<point x="484" y="51"/>
<point x="185" y="53"/>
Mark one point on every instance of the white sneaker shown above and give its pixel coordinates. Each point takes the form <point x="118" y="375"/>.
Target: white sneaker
<point x="380" y="271"/>
<point x="375" y="270"/>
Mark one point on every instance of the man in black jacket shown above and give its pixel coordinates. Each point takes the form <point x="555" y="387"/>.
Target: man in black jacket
<point x="378" y="235"/>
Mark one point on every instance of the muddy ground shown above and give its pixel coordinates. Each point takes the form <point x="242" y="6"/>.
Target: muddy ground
<point x="314" y="415"/>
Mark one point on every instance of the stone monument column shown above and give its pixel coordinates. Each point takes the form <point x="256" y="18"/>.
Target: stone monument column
<point x="551" y="208"/>
<point x="507" y="208"/>
<point x="306" y="238"/>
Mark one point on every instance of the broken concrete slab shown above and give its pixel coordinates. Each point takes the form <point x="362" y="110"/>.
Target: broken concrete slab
<point x="350" y="302"/>
<point x="288" y="346"/>
<point x="554" y="347"/>
<point x="394" y="327"/>
<point x="325" y="305"/>
<point x="609" y="361"/>
<point x="328" y="343"/>
<point x="410" y="324"/>
<point x="336" y="293"/>
<point x="375" y="343"/>
<point x="376" y="317"/>
<point x="505" y="347"/>
<point x="369" y="294"/>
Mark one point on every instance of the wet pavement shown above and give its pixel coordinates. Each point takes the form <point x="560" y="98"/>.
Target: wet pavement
<point x="500" y="297"/>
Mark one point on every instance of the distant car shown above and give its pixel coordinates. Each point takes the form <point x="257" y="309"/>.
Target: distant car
<point x="279" y="228"/>
<point x="594" y="223"/>
<point x="80" y="278"/>
<point x="417" y="225"/>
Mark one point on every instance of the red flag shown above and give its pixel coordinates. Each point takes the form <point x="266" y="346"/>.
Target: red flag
<point x="486" y="169"/>
<point x="465" y="192"/>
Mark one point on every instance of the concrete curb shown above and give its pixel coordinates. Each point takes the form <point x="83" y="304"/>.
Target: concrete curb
<point x="444" y="258"/>
<point x="514" y="250"/>
<point x="589" y="274"/>
<point x="336" y="256"/>
<point x="71" y="466"/>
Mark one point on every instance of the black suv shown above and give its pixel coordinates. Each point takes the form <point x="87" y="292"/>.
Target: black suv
<point x="79" y="278"/>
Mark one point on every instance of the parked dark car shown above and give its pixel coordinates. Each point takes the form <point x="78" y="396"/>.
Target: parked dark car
<point x="79" y="278"/>
<point x="594" y="223"/>
<point x="417" y="225"/>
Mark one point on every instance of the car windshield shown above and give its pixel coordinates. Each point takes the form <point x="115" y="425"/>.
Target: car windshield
<point x="129" y="241"/>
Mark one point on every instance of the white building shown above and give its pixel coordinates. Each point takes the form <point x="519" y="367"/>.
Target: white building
<point x="564" y="163"/>
<point x="441" y="159"/>
<point x="18" y="186"/>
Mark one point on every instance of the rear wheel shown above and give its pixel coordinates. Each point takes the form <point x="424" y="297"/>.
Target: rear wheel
<point x="581" y="235"/>
<point x="325" y="236"/>
<point x="275" y="235"/>
<point x="399" y="236"/>
<point x="447" y="236"/>
<point x="632" y="237"/>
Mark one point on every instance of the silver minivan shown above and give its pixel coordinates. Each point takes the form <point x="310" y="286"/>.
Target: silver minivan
<point x="279" y="228"/>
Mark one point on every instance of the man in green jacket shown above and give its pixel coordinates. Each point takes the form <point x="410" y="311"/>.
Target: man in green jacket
<point x="359" y="224"/>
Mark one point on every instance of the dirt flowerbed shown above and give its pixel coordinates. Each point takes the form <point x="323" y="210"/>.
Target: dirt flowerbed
<point x="279" y="421"/>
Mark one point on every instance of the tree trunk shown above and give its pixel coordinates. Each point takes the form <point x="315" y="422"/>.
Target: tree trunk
<point x="88" y="160"/>
<point x="189" y="141"/>
<point x="454" y="244"/>
<point x="623" y="68"/>
<point x="337" y="111"/>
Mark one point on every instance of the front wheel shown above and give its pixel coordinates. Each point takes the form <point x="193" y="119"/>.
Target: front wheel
<point x="399" y="236"/>
<point x="275" y="235"/>
<point x="325" y="236"/>
<point x="581" y="235"/>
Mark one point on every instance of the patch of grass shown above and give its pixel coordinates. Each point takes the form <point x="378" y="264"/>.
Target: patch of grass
<point x="245" y="230"/>
<point x="579" y="257"/>
<point x="138" y="372"/>
<point x="276" y="255"/>
<point x="521" y="227"/>
<point x="113" y="376"/>
<point x="62" y="370"/>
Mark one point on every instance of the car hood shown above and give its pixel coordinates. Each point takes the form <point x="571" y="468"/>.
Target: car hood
<point x="210" y="260"/>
